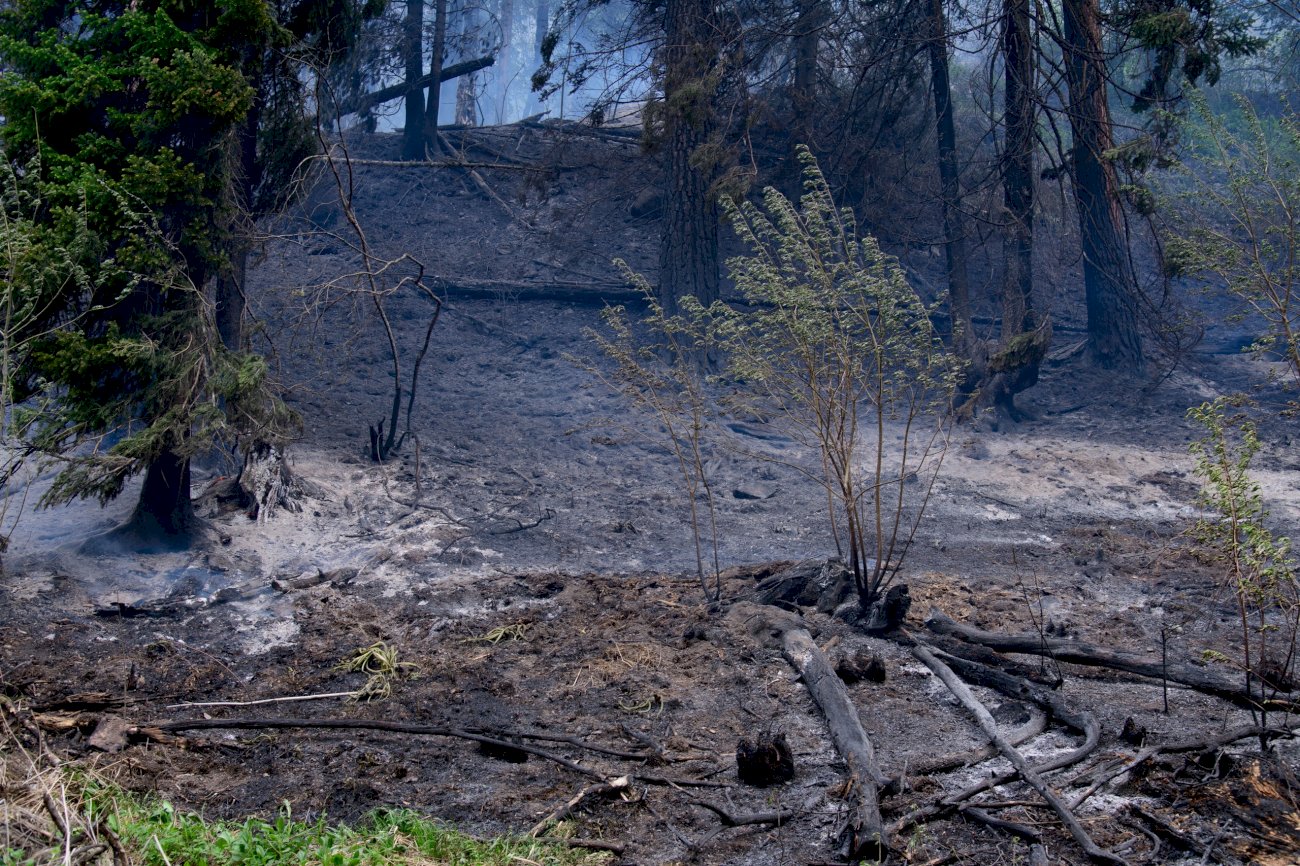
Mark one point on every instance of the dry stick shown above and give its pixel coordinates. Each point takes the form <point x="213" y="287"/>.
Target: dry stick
<point x="865" y="832"/>
<point x="1022" y="831"/>
<point x="281" y="700"/>
<point x="733" y="820"/>
<point x="622" y="783"/>
<point x="408" y="728"/>
<point x="1203" y="744"/>
<point x="373" y="725"/>
<point x="448" y="163"/>
<point x="1019" y="689"/>
<point x="1036" y="725"/>
<point x="1080" y="653"/>
<point x="484" y="188"/>
<point x="981" y="714"/>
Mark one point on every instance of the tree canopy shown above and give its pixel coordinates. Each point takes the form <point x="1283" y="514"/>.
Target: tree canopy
<point x="123" y="116"/>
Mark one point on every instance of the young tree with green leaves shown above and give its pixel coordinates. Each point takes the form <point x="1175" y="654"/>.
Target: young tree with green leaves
<point x="134" y="105"/>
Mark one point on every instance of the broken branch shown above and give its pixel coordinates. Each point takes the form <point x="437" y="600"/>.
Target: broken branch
<point x="1080" y="653"/>
<point x="985" y="720"/>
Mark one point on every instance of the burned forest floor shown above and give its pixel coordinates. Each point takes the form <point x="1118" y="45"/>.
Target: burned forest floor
<point x="526" y="559"/>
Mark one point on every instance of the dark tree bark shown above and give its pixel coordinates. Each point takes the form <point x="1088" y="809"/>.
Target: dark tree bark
<point x="506" y="15"/>
<point x="413" y="137"/>
<point x="163" y="518"/>
<point x="689" y="253"/>
<point x="1110" y="285"/>
<point x="229" y="301"/>
<point x="466" y="90"/>
<point x="807" y="36"/>
<point x="1026" y="333"/>
<point x="541" y="22"/>
<point x="1018" y="307"/>
<point x="433" y="146"/>
<point x="950" y="182"/>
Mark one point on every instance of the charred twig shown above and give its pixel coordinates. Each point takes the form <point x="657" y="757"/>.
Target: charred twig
<point x="656" y="754"/>
<point x="374" y="725"/>
<point x="1022" y="831"/>
<point x="1202" y="744"/>
<point x="732" y="819"/>
<point x="981" y="714"/>
<point x="622" y="783"/>
<point x="1165" y="831"/>
<point x="589" y="844"/>
<point x="943" y="763"/>
<point x="582" y="744"/>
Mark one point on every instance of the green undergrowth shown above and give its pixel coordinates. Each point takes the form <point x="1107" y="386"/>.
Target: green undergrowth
<point x="153" y="832"/>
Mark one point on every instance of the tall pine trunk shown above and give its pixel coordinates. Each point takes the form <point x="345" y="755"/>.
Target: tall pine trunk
<point x="1018" y="307"/>
<point x="950" y="182"/>
<point x="413" y="137"/>
<point x="1110" y="285"/>
<point x="540" y="23"/>
<point x="439" y="50"/>
<point x="689" y="252"/>
<point x="507" y="17"/>
<point x="467" y="87"/>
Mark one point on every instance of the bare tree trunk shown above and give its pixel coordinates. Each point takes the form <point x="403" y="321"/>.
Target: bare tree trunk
<point x="507" y="19"/>
<point x="807" y="36"/>
<point x="1110" y="285"/>
<point x="163" y="518"/>
<point x="413" y="138"/>
<point x="1018" y="308"/>
<point x="542" y="21"/>
<point x="950" y="182"/>
<point x="1026" y="333"/>
<point x="436" y="66"/>
<point x="689" y="253"/>
<point x="466" y="89"/>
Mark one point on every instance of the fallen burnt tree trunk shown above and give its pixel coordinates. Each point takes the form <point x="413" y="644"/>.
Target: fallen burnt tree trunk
<point x="1077" y="652"/>
<point x="865" y="834"/>
<point x="387" y="93"/>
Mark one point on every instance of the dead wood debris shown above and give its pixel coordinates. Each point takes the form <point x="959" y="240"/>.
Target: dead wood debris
<point x="963" y="693"/>
<point x="1078" y="652"/>
<point x="865" y="836"/>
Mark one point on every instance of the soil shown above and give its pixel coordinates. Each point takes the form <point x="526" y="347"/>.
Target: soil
<point x="528" y="555"/>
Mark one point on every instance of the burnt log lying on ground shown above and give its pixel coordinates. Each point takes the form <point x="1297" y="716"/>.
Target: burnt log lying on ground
<point x="864" y="837"/>
<point x="1228" y="687"/>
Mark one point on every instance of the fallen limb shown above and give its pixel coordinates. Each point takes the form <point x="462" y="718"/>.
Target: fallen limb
<point x="281" y="700"/>
<point x="456" y="70"/>
<point x="370" y="725"/>
<point x="865" y="833"/>
<point x="484" y="187"/>
<point x="943" y="763"/>
<point x="1165" y="831"/>
<point x="589" y="844"/>
<point x="963" y="693"/>
<point x="1077" y="652"/>
<point x="1021" y="689"/>
<point x="732" y="819"/>
<point x="622" y="783"/>
<point x="1029" y="834"/>
<point x="1201" y="744"/>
